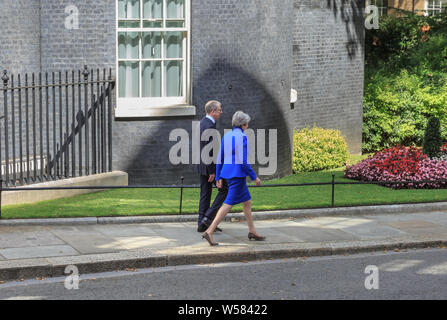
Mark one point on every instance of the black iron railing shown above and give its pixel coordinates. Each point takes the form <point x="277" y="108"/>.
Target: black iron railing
<point x="56" y="125"/>
<point x="181" y="186"/>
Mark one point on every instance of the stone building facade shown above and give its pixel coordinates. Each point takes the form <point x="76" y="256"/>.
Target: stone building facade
<point x="247" y="54"/>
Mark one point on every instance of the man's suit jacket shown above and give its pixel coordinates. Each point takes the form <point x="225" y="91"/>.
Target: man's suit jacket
<point x="206" y="169"/>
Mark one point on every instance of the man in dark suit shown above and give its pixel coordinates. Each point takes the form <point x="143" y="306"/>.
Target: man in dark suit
<point x="207" y="172"/>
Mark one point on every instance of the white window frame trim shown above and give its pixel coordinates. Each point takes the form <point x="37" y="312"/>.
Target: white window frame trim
<point x="380" y="8"/>
<point x="156" y="106"/>
<point x="433" y="9"/>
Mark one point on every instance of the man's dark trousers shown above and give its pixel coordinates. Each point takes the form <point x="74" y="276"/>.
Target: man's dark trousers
<point x="207" y="213"/>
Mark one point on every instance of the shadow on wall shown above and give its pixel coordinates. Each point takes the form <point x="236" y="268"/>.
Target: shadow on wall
<point x="352" y="12"/>
<point x="236" y="89"/>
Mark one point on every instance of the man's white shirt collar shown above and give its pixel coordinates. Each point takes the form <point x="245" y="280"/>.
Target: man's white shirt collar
<point x="211" y="118"/>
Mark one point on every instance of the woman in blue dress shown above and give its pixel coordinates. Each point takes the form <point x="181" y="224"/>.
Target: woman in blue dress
<point x="232" y="165"/>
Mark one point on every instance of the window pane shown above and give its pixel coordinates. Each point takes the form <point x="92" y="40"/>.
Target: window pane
<point x="153" y="9"/>
<point x="128" y="45"/>
<point x="174" y="71"/>
<point x="129" y="79"/>
<point x="128" y="24"/>
<point x="175" y="24"/>
<point x="152" y="24"/>
<point x="151" y="85"/>
<point x="175" y="9"/>
<point x="151" y="45"/>
<point x="173" y="44"/>
<point x="129" y="9"/>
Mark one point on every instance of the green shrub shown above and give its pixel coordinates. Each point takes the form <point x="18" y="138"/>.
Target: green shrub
<point x="397" y="36"/>
<point x="401" y="94"/>
<point x="432" y="138"/>
<point x="393" y="38"/>
<point x="318" y="149"/>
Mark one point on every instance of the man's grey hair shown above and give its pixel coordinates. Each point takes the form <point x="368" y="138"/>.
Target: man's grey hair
<point x="212" y="106"/>
<point x="240" y="118"/>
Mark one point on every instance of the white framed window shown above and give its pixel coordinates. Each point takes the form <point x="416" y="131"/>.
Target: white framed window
<point x="153" y="57"/>
<point x="433" y="7"/>
<point x="382" y="5"/>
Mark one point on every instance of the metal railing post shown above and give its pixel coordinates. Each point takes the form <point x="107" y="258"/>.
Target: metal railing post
<point x="181" y="194"/>
<point x="5" y="80"/>
<point x="86" y="73"/>
<point x="109" y="123"/>
<point x="333" y="189"/>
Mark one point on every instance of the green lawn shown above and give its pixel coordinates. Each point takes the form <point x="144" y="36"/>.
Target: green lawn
<point x="122" y="202"/>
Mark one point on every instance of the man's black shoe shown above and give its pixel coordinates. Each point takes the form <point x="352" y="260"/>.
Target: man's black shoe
<point x="204" y="226"/>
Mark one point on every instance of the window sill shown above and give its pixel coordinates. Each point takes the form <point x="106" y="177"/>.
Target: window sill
<point x="155" y="112"/>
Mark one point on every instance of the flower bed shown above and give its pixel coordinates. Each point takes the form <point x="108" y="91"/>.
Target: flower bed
<point x="443" y="154"/>
<point x="401" y="164"/>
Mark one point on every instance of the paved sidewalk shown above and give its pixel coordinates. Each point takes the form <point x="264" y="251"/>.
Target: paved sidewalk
<point x="42" y="251"/>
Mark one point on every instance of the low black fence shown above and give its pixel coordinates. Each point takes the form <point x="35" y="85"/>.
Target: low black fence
<point x="181" y="186"/>
<point x="55" y="125"/>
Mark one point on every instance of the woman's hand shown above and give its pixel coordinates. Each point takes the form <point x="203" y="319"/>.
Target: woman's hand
<point x="219" y="183"/>
<point x="258" y="181"/>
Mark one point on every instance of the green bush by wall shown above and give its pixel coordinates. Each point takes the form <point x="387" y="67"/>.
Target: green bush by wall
<point x="318" y="149"/>
<point x="405" y="81"/>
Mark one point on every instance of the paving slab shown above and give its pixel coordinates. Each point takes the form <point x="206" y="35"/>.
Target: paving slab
<point x="374" y="230"/>
<point x="242" y="225"/>
<point x="38" y="252"/>
<point x="11" y="237"/>
<point x="128" y="230"/>
<point x="176" y="225"/>
<point x="194" y="238"/>
<point x="388" y="244"/>
<point x="424" y="231"/>
<point x="313" y="234"/>
<point x="413" y="224"/>
<point x="420" y="238"/>
<point x="418" y="227"/>
<point x="87" y="240"/>
<point x="273" y="235"/>
<point x="333" y="222"/>
<point x="140" y="242"/>
<point x="399" y="217"/>
<point x="227" y="238"/>
<point x="435" y="217"/>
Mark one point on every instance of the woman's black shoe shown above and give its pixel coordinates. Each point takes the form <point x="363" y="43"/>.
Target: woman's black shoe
<point x="207" y="238"/>
<point x="255" y="237"/>
<point x="204" y="227"/>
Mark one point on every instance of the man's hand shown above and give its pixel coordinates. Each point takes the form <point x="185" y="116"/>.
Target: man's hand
<point x="258" y="181"/>
<point x="219" y="184"/>
<point x="211" y="178"/>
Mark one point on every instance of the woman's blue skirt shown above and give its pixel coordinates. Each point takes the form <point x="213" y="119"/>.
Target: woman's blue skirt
<point x="237" y="192"/>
